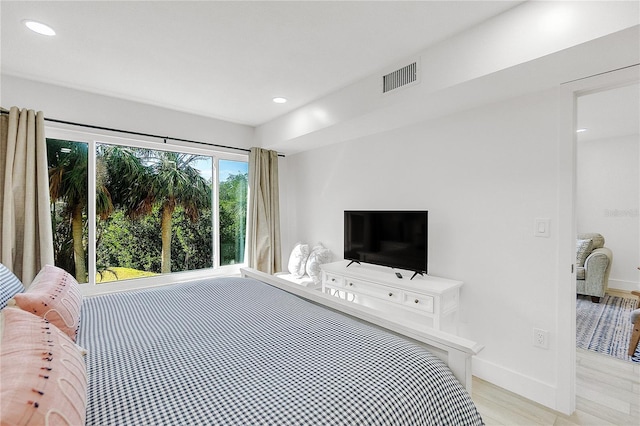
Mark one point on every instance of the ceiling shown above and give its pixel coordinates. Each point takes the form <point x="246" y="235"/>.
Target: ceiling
<point x="225" y="60"/>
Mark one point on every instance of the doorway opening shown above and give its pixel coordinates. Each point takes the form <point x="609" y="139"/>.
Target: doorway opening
<point x="607" y="205"/>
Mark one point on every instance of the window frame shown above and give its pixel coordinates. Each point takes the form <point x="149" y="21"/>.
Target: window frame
<point x="92" y="139"/>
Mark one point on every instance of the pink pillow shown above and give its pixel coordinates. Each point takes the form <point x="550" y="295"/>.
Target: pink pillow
<point x="55" y="296"/>
<point x="43" y="379"/>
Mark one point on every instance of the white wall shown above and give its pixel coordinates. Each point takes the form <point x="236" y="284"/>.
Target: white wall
<point x="484" y="175"/>
<point x="68" y="104"/>
<point x="608" y="202"/>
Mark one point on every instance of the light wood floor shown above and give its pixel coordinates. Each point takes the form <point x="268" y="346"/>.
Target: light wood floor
<point x="607" y="393"/>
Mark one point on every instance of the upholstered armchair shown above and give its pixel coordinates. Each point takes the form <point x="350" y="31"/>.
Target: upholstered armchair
<point x="593" y="263"/>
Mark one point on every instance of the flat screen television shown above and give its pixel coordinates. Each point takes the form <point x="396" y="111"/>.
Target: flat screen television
<point x="397" y="239"/>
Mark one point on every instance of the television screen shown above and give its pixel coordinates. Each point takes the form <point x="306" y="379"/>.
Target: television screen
<point x="397" y="239"/>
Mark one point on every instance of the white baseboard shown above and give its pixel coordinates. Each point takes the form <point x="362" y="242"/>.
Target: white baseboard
<point x="624" y="285"/>
<point x="528" y="387"/>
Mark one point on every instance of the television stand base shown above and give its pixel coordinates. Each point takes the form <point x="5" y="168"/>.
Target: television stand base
<point x="416" y="273"/>
<point x="353" y="261"/>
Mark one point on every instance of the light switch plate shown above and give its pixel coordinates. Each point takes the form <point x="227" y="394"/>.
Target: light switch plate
<point x="541" y="227"/>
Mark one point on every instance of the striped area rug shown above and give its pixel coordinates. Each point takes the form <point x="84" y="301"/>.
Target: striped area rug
<point x="605" y="327"/>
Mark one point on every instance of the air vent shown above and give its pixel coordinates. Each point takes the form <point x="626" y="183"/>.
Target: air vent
<point x="399" y="78"/>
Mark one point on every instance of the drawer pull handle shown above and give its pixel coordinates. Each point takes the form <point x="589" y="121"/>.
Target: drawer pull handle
<point x="416" y="301"/>
<point x="390" y="294"/>
<point x="333" y="279"/>
<point x="350" y="283"/>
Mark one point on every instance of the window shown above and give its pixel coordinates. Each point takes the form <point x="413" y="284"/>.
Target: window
<point x="157" y="209"/>
<point x="233" y="176"/>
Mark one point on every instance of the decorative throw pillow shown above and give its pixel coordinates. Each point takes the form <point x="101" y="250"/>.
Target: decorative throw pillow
<point x="55" y="296"/>
<point x="319" y="255"/>
<point x="583" y="249"/>
<point x="298" y="260"/>
<point x="10" y="285"/>
<point x="43" y="378"/>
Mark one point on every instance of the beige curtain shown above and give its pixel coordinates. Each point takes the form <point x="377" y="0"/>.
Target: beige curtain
<point x="264" y="212"/>
<point x="25" y="229"/>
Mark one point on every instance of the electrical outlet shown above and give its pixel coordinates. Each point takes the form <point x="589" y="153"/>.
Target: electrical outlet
<point x="541" y="338"/>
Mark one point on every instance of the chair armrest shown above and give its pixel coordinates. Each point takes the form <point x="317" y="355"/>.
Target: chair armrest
<point x="597" y="267"/>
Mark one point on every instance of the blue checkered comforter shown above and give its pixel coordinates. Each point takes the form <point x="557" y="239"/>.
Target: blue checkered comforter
<point x="235" y="351"/>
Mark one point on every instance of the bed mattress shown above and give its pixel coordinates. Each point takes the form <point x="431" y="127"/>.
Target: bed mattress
<point x="236" y="351"/>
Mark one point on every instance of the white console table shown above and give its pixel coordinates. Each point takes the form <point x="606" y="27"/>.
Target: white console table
<point x="424" y="302"/>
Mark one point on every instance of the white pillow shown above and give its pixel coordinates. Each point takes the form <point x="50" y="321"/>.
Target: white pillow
<point x="298" y="260"/>
<point x="319" y="255"/>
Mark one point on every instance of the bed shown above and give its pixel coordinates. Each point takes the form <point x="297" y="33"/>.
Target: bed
<point x="241" y="351"/>
<point x="252" y="350"/>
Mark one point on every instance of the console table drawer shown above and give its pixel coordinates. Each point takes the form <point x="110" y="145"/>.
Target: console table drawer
<point x="418" y="301"/>
<point x="374" y="290"/>
<point x="334" y="280"/>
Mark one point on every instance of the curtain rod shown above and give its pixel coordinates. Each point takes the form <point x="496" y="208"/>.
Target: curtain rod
<point x="130" y="132"/>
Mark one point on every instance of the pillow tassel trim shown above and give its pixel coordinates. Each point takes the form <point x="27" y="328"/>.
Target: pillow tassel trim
<point x="47" y="385"/>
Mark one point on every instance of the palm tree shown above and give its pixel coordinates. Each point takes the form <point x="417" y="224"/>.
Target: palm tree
<point x="163" y="178"/>
<point x="176" y="182"/>
<point x="68" y="173"/>
<point x="68" y="182"/>
<point x="118" y="174"/>
<point x="121" y="172"/>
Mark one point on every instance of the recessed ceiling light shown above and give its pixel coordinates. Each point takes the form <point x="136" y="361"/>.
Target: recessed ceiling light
<point x="279" y="100"/>
<point x="39" y="27"/>
<point x="581" y="130"/>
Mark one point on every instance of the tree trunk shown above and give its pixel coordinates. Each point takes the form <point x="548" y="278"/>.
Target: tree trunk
<point x="167" y="212"/>
<point x="78" y="247"/>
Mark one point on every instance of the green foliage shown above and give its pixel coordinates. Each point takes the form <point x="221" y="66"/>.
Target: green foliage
<point x="129" y="243"/>
<point x="233" y="218"/>
<point x="192" y="246"/>
<point x="136" y="243"/>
